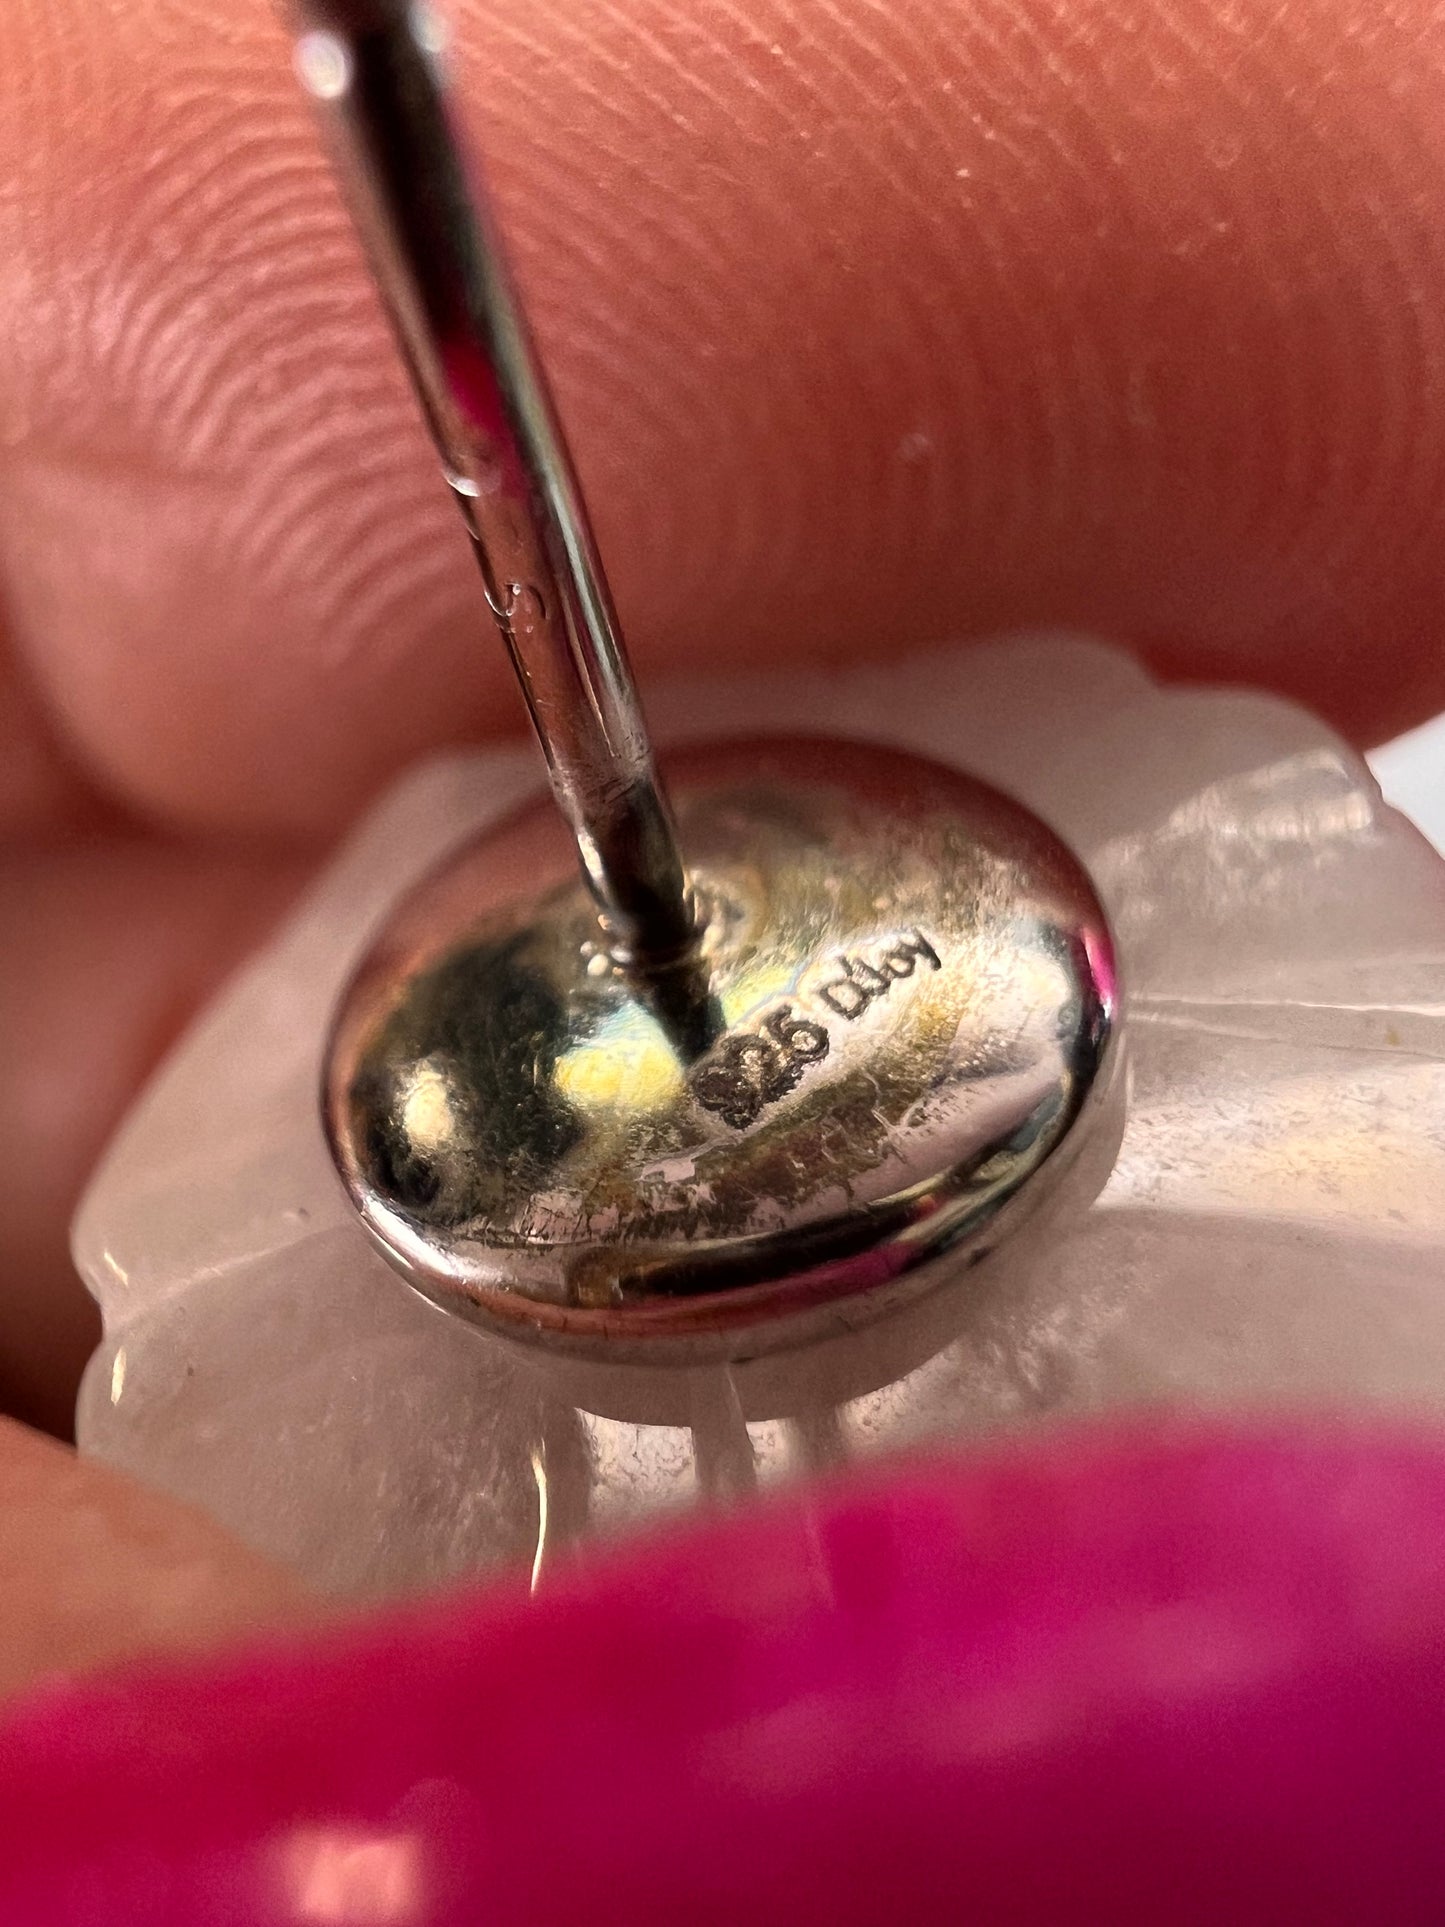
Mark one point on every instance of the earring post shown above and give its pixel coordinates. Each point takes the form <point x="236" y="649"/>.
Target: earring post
<point x="442" y="273"/>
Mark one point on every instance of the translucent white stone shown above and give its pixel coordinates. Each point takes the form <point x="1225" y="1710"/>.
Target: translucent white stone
<point x="1273" y="1227"/>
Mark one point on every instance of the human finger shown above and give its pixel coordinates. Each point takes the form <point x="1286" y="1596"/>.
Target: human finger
<point x="870" y="324"/>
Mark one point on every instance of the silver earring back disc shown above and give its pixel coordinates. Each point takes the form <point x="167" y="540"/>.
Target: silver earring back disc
<point x="707" y="1065"/>
<point x="898" y="1013"/>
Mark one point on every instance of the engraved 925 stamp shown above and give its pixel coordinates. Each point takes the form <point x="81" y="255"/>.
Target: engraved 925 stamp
<point x="750" y="1069"/>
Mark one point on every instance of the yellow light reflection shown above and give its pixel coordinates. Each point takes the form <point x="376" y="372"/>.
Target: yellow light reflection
<point x="628" y="1065"/>
<point x="764" y="984"/>
<point x="627" y="1062"/>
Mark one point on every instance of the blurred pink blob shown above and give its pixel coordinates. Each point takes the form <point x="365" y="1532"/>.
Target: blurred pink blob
<point x="1169" y="1671"/>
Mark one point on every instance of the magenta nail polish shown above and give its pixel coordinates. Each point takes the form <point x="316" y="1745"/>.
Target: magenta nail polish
<point x="1178" y="1673"/>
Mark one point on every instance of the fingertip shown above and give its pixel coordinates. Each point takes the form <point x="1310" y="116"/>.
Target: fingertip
<point x="870" y="327"/>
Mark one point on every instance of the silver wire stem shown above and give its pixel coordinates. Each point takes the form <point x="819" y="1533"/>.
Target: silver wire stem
<point x="437" y="260"/>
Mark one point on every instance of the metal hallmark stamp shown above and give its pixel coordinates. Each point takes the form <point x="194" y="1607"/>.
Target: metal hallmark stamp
<point x="860" y="983"/>
<point x="750" y="1069"/>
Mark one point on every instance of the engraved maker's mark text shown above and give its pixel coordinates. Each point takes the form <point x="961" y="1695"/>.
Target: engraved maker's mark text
<point x="750" y="1069"/>
<point x="860" y="983"/>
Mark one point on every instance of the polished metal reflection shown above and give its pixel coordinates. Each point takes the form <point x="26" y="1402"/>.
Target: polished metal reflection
<point x="902" y="1003"/>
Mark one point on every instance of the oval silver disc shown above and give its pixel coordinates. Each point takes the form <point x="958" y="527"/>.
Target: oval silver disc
<point x="902" y="1002"/>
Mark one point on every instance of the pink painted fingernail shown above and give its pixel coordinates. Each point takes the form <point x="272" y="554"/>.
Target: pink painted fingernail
<point x="1182" y="1673"/>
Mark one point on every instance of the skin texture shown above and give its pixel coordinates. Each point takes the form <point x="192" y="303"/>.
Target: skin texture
<point x="94" y="1571"/>
<point x="870" y="323"/>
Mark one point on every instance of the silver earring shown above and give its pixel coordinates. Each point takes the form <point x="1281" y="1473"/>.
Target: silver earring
<point x="696" y="1100"/>
<point x="773" y="1049"/>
